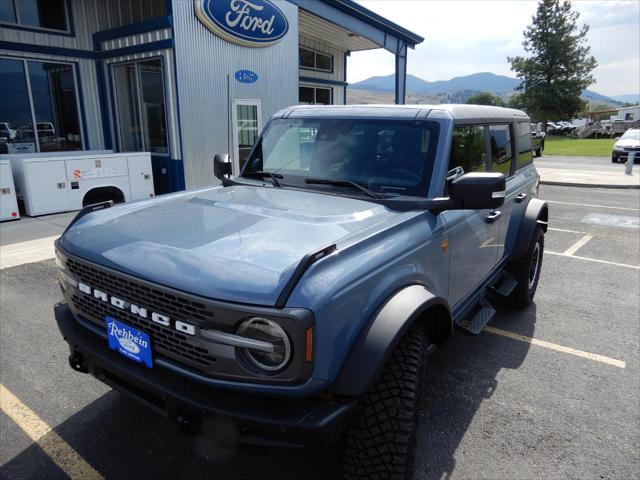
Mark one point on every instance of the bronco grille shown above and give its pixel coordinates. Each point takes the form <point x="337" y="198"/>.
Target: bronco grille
<point x="166" y="341"/>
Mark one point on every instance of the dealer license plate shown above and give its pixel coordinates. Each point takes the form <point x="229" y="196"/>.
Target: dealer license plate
<point x="129" y="341"/>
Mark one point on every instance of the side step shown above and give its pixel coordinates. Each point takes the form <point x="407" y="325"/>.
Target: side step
<point x="478" y="318"/>
<point x="505" y="285"/>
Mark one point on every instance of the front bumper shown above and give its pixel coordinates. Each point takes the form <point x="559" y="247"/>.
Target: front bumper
<point x="621" y="156"/>
<point x="227" y="417"/>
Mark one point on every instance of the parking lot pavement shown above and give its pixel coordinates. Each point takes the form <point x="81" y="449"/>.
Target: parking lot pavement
<point x="585" y="171"/>
<point x="555" y="397"/>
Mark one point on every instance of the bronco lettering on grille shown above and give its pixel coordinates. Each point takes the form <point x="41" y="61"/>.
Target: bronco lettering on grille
<point x="134" y="309"/>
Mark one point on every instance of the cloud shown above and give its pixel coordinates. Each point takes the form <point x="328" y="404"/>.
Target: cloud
<point x="463" y="37"/>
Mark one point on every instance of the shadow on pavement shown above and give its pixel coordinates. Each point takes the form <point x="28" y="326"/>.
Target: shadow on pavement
<point x="121" y="439"/>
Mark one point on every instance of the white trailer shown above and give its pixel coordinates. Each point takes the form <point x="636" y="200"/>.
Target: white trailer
<point x="8" y="201"/>
<point x="71" y="180"/>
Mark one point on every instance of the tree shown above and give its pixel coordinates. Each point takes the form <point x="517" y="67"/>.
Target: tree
<point x="558" y="66"/>
<point x="485" y="98"/>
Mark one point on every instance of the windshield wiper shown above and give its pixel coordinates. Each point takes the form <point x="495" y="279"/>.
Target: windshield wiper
<point x="341" y="183"/>
<point x="273" y="176"/>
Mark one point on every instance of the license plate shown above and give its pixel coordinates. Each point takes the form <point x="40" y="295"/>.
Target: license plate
<point x="129" y="341"/>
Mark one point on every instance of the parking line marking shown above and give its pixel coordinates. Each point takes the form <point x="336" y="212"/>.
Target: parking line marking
<point x="595" y="206"/>
<point x="577" y="246"/>
<point x="558" y="348"/>
<point x="615" y="264"/>
<point x="564" y="230"/>
<point x="31" y="251"/>
<point x="53" y="445"/>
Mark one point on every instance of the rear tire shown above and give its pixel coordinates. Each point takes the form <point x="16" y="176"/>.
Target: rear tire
<point x="538" y="152"/>
<point x="380" y="442"/>
<point x="526" y="270"/>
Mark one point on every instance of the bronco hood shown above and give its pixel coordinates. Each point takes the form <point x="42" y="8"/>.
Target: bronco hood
<point x="239" y="243"/>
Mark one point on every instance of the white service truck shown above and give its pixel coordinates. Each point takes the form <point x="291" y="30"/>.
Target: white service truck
<point x="52" y="183"/>
<point x="8" y="201"/>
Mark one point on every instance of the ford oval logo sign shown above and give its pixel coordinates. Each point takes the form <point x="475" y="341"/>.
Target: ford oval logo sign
<point x="246" y="76"/>
<point x="250" y="23"/>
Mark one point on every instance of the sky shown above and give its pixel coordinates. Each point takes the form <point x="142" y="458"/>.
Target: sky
<point x="470" y="36"/>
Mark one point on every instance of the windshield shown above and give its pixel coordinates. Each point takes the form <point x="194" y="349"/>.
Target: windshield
<point x="631" y="135"/>
<point x="385" y="156"/>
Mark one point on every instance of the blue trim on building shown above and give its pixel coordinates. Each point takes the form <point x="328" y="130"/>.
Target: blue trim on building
<point x="323" y="81"/>
<point x="104" y="105"/>
<point x="83" y="115"/>
<point x="59" y="51"/>
<point x="346" y="54"/>
<point x="116" y="139"/>
<point x="132" y="29"/>
<point x="87" y="54"/>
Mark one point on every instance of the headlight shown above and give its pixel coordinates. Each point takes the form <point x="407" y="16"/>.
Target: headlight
<point x="64" y="276"/>
<point x="266" y="332"/>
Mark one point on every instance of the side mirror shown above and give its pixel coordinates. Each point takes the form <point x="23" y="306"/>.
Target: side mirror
<point x="222" y="166"/>
<point x="478" y="191"/>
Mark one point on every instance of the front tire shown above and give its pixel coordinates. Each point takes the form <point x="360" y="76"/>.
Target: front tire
<point x="380" y="442"/>
<point x="526" y="270"/>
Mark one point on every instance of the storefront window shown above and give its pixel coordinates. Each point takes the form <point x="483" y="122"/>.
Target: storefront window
<point x="314" y="96"/>
<point x="315" y="60"/>
<point x="52" y="106"/>
<point x="48" y="14"/>
<point x="141" y="117"/>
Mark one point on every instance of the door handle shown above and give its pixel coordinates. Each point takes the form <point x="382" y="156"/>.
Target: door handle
<point x="493" y="216"/>
<point x="521" y="197"/>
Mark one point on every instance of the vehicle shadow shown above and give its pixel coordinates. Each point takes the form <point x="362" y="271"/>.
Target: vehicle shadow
<point x="122" y="439"/>
<point x="461" y="375"/>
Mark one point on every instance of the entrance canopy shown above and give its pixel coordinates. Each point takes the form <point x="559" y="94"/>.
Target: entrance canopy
<point x="353" y="27"/>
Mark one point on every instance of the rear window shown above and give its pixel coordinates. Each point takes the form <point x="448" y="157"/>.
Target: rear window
<point x="525" y="154"/>
<point x="501" y="148"/>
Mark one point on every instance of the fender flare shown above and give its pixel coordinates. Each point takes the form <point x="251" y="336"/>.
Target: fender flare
<point x="536" y="213"/>
<point x="377" y="340"/>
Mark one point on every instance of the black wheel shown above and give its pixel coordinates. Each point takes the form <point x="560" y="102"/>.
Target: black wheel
<point x="526" y="271"/>
<point x="380" y="441"/>
<point x="537" y="152"/>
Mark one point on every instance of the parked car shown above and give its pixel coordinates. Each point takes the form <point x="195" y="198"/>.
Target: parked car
<point x="627" y="143"/>
<point x="293" y="304"/>
<point x="537" y="139"/>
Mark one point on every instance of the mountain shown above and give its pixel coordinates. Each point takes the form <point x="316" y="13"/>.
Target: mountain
<point x="463" y="86"/>
<point x="633" y="98"/>
<point x="484" y="81"/>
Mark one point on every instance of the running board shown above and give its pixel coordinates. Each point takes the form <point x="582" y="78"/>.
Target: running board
<point x="478" y="318"/>
<point x="504" y="285"/>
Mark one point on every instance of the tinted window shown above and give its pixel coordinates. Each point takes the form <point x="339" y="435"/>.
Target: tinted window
<point x="323" y="62"/>
<point x="525" y="154"/>
<point x="42" y="13"/>
<point x="501" y="151"/>
<point x="468" y="151"/>
<point x="307" y="58"/>
<point x="386" y="156"/>
<point x="7" y="12"/>
<point x="15" y="111"/>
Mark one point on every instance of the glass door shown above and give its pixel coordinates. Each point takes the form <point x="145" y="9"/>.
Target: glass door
<point x="247" y="124"/>
<point x="140" y="105"/>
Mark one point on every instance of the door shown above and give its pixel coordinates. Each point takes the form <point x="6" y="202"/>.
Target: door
<point x="472" y="234"/>
<point x="247" y="124"/>
<point x="502" y="159"/>
<point x="48" y="188"/>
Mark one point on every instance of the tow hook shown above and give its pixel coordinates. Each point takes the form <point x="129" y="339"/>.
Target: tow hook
<point x="76" y="361"/>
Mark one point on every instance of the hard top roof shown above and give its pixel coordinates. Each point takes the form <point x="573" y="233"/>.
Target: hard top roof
<point x="462" y="114"/>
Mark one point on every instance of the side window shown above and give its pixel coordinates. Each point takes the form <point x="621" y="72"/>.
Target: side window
<point x="525" y="155"/>
<point x="501" y="150"/>
<point x="468" y="153"/>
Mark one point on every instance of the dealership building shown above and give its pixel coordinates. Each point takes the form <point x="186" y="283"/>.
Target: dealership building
<point x="180" y="79"/>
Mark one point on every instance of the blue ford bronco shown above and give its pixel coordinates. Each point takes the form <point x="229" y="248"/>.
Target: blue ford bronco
<point x="295" y="303"/>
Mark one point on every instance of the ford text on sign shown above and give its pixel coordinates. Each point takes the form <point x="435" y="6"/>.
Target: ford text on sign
<point x="250" y="23"/>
